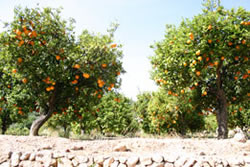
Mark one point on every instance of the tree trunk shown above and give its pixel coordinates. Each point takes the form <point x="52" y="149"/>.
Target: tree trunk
<point x="38" y="123"/>
<point x="221" y="108"/>
<point x="4" y="127"/>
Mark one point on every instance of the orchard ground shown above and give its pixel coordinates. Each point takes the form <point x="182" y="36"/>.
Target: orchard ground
<point x="193" y="147"/>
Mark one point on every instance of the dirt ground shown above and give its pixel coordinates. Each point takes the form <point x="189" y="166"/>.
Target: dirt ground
<point x="135" y="146"/>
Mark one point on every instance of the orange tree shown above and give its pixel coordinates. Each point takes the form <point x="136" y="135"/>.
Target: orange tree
<point x="208" y="54"/>
<point x="52" y="70"/>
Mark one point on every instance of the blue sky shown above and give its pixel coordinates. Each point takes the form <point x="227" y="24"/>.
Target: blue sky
<point x="142" y="22"/>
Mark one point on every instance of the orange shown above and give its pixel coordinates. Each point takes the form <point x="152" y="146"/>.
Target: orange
<point x="207" y="59"/>
<point x="113" y="45"/>
<point x="209" y="41"/>
<point x="237" y="47"/>
<point x="19" y="60"/>
<point x="20" y="112"/>
<point x="196" y="84"/>
<point x="112" y="85"/>
<point x="74" y="82"/>
<point x="230" y="43"/>
<point x="209" y="27"/>
<point x="248" y="71"/>
<point x="245" y="76"/>
<point x="204" y="93"/>
<point x="85" y="75"/>
<point x="77" y="66"/>
<point x="77" y="77"/>
<point x="48" y="89"/>
<point x="198" y="53"/>
<point x="191" y="36"/>
<point x="188" y="41"/>
<point x="182" y="91"/>
<point x="235" y="77"/>
<point x="118" y="73"/>
<point x="199" y="58"/>
<point x="222" y="58"/>
<point x="58" y="57"/>
<point x="198" y="73"/>
<point x="216" y="63"/>
<point x="109" y="88"/>
<point x="104" y="65"/>
<point x="169" y="92"/>
<point x="21" y="43"/>
<point x="185" y="64"/>
<point x="243" y="42"/>
<point x="24" y="80"/>
<point x="14" y="70"/>
<point x="236" y="58"/>
<point x="18" y="32"/>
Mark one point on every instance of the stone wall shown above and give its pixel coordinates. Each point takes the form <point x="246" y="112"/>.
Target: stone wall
<point x="48" y="158"/>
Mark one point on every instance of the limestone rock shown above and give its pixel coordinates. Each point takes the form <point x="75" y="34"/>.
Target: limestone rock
<point x="240" y="137"/>
<point x="115" y="164"/>
<point x="77" y="148"/>
<point x="120" y="148"/>
<point x="171" y="158"/>
<point x="190" y="163"/>
<point x="25" y="156"/>
<point x="157" y="164"/>
<point x="122" y="165"/>
<point x="15" y="158"/>
<point x="4" y="157"/>
<point x="180" y="162"/>
<point x="99" y="160"/>
<point x="231" y="133"/>
<point x="64" y="162"/>
<point x="157" y="158"/>
<point x="26" y="163"/>
<point x="167" y="164"/>
<point x="146" y="160"/>
<point x="32" y="156"/>
<point x="108" y="162"/>
<point x="122" y="160"/>
<point x="5" y="164"/>
<point x="132" y="161"/>
<point x="83" y="165"/>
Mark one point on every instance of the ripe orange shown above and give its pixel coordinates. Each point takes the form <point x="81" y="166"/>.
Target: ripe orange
<point x="19" y="60"/>
<point x="198" y="53"/>
<point x="58" y="57"/>
<point x="18" y="32"/>
<point x="74" y="82"/>
<point x="209" y="27"/>
<point x="199" y="58"/>
<point x="24" y="80"/>
<point x="207" y="59"/>
<point x="118" y="73"/>
<point x="248" y="71"/>
<point x="245" y="76"/>
<point x="230" y="43"/>
<point x="191" y="36"/>
<point x="204" y="93"/>
<point x="109" y="88"/>
<point x="14" y="70"/>
<point x="188" y="41"/>
<point x="77" y="66"/>
<point x="85" y="75"/>
<point x="104" y="65"/>
<point x="34" y="34"/>
<point x="196" y="84"/>
<point x="48" y="89"/>
<point x="243" y="42"/>
<point x="237" y="47"/>
<point x="113" y="45"/>
<point x="20" y="112"/>
<point x="235" y="77"/>
<point x="209" y="41"/>
<point x="216" y="63"/>
<point x="169" y="92"/>
<point x="198" y="73"/>
<point x="31" y="43"/>
<point x="185" y="64"/>
<point x="222" y="58"/>
<point x="77" y="77"/>
<point x="182" y="91"/>
<point x="20" y="43"/>
<point x="236" y="58"/>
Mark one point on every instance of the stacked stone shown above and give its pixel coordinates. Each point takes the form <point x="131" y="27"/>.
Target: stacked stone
<point x="48" y="158"/>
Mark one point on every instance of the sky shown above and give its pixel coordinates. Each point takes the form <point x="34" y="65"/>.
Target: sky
<point x="142" y="22"/>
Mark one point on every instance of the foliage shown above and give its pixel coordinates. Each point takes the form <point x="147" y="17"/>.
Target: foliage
<point x="163" y="114"/>
<point x="207" y="55"/>
<point x="51" y="71"/>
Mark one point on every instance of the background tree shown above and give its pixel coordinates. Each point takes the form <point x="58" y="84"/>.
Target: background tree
<point x="208" y="54"/>
<point x="52" y="70"/>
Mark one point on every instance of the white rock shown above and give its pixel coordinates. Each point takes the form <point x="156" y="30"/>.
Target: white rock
<point x="167" y="164"/>
<point x="83" y="165"/>
<point x="231" y="133"/>
<point x="64" y="162"/>
<point x="30" y="163"/>
<point x="122" y="165"/>
<point x="122" y="160"/>
<point x="171" y="158"/>
<point x="32" y="156"/>
<point x="108" y="162"/>
<point x="157" y="158"/>
<point x="115" y="164"/>
<point x="158" y="164"/>
<point x="132" y="161"/>
<point x="15" y="158"/>
<point x="190" y="163"/>
<point x="180" y="162"/>
<point x="99" y="160"/>
<point x="25" y="156"/>
<point x="240" y="137"/>
<point x="146" y="161"/>
<point x="120" y="148"/>
<point x="6" y="164"/>
<point x="4" y="157"/>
